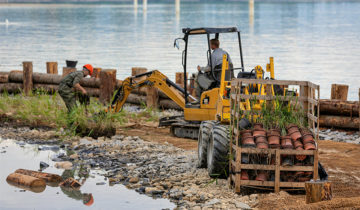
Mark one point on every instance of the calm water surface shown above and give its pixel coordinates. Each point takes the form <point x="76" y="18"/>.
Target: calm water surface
<point x="316" y="41"/>
<point x="105" y="196"/>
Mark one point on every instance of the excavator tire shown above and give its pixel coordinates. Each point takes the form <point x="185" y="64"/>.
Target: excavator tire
<point x="217" y="152"/>
<point x="203" y="140"/>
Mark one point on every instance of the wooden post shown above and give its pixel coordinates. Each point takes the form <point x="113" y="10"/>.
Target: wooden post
<point x="144" y="5"/>
<point x="52" y="67"/>
<point x="96" y="72"/>
<point x="67" y="70"/>
<point x="318" y="191"/>
<point x="277" y="171"/>
<point x="27" y="77"/>
<point x="339" y="92"/>
<point x="107" y="85"/>
<point x="177" y="6"/>
<point x="152" y="97"/>
<point x="179" y="78"/>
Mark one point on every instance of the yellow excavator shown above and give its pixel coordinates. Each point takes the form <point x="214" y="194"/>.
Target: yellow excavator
<point x="205" y="118"/>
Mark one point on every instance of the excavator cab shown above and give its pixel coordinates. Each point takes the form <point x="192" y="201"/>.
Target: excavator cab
<point x="215" y="73"/>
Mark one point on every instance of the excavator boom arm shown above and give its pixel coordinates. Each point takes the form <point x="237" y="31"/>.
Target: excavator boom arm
<point x="154" y="79"/>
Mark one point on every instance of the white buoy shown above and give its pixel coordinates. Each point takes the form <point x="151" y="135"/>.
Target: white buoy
<point x="7" y="22"/>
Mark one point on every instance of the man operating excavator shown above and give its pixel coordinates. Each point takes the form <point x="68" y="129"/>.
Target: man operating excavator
<point x="71" y="83"/>
<point x="204" y="80"/>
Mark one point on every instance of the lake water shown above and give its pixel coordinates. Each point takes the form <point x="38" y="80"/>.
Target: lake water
<point x="316" y="41"/>
<point x="14" y="156"/>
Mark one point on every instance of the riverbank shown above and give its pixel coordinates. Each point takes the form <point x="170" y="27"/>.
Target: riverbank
<point x="158" y="166"/>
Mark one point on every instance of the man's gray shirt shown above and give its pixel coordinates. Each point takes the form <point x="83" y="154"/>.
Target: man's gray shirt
<point x="216" y="59"/>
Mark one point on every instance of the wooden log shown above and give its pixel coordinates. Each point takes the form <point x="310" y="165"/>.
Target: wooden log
<point x="31" y="189"/>
<point x="52" y="67"/>
<point x="11" y="87"/>
<point x="51" y="89"/>
<point x="338" y="107"/>
<point x="27" y="77"/>
<point x="96" y="73"/>
<point x="318" y="191"/>
<point x="4" y="78"/>
<point x="67" y="70"/>
<point x="168" y="104"/>
<point x="339" y="122"/>
<point x="25" y="180"/>
<point x="136" y="99"/>
<point x="107" y="85"/>
<point x="41" y="78"/>
<point x="47" y="177"/>
<point x="339" y="92"/>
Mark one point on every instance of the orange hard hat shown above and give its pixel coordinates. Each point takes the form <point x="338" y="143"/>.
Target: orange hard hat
<point x="90" y="201"/>
<point x="89" y="67"/>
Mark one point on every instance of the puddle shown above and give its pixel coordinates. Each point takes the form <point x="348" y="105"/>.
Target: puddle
<point x="104" y="196"/>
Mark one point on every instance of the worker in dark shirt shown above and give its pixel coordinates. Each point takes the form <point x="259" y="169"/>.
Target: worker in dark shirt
<point x="71" y="83"/>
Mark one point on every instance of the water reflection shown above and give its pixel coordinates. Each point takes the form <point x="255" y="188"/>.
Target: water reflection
<point x="54" y="196"/>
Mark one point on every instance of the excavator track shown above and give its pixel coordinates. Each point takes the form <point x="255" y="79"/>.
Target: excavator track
<point x="181" y="128"/>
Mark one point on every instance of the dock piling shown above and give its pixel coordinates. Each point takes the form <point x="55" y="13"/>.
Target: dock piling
<point x="27" y="77"/>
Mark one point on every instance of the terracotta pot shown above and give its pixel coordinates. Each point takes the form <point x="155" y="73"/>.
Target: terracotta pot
<point x="295" y="135"/>
<point x="308" y="138"/>
<point x="298" y="173"/>
<point x="300" y="157"/>
<point x="260" y="132"/>
<point x="297" y="144"/>
<point x="244" y="175"/>
<point x="304" y="179"/>
<point x="286" y="142"/>
<point x="291" y="125"/>
<point x="262" y="176"/>
<point x="272" y="132"/>
<point x="262" y="145"/>
<point x="274" y="139"/>
<point x="248" y="141"/>
<point x="310" y="146"/>
<point x="258" y="126"/>
<point x="246" y="133"/>
<point x="261" y="139"/>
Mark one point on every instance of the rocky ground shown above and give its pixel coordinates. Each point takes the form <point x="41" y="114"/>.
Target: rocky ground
<point x="340" y="136"/>
<point x="158" y="165"/>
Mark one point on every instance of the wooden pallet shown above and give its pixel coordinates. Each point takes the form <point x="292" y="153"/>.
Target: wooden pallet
<point x="308" y="98"/>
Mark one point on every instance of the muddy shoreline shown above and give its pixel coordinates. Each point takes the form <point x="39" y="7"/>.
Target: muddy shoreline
<point x="155" y="169"/>
<point x="150" y="165"/>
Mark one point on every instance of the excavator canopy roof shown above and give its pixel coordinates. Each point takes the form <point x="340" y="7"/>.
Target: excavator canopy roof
<point x="193" y="31"/>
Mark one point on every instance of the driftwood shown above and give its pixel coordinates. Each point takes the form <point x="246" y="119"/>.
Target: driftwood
<point x="318" y="191"/>
<point x="338" y="107"/>
<point x="339" y="122"/>
<point x="41" y="175"/>
<point x="25" y="180"/>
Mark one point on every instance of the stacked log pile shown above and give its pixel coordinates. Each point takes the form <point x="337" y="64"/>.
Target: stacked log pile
<point x="337" y="112"/>
<point x="13" y="82"/>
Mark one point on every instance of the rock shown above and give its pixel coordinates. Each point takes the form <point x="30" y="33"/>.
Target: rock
<point x="101" y="183"/>
<point x="241" y="205"/>
<point x="212" y="202"/>
<point x="74" y="156"/>
<point x="253" y="196"/>
<point x="134" y="180"/>
<point x="65" y="165"/>
<point x="43" y="165"/>
<point x="153" y="191"/>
